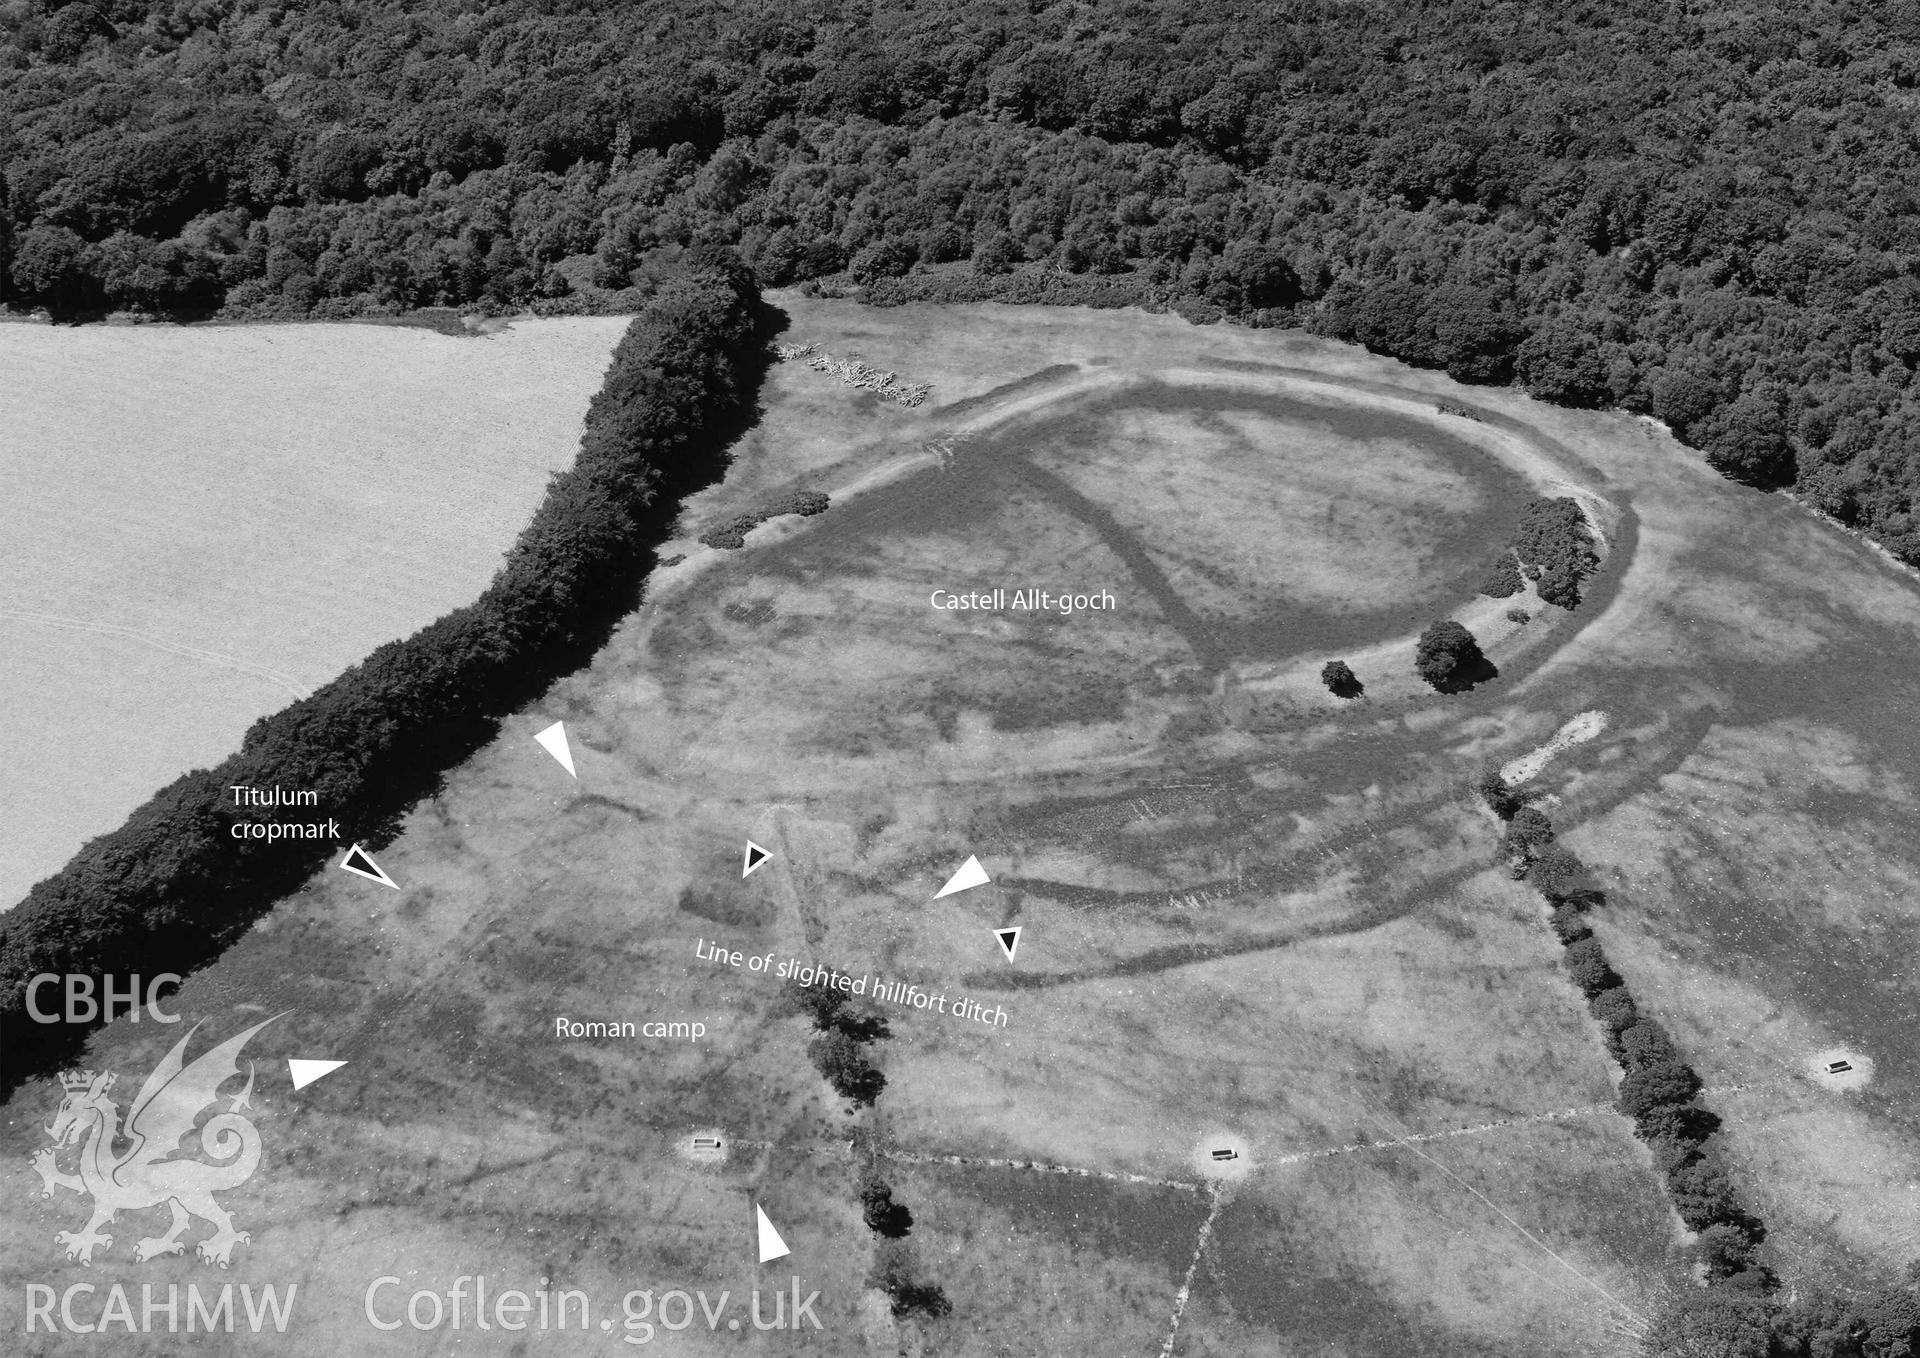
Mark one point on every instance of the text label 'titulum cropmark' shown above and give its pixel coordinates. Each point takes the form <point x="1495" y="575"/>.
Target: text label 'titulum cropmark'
<point x="264" y="797"/>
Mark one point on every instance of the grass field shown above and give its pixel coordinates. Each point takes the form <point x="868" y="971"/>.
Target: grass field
<point x="1285" y="933"/>
<point x="204" y="523"/>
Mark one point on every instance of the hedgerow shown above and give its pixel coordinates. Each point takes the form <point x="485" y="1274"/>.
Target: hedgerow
<point x="171" y="888"/>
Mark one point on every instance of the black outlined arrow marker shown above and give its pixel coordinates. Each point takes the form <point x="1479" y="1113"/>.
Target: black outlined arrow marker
<point x="360" y="863"/>
<point x="754" y="857"/>
<point x="1009" y="939"/>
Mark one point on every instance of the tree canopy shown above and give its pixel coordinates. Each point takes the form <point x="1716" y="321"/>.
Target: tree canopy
<point x="1340" y="679"/>
<point x="1704" y="213"/>
<point x="1448" y="657"/>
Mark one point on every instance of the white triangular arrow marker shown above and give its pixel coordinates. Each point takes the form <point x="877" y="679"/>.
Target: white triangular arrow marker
<point x="1009" y="939"/>
<point x="970" y="874"/>
<point x="752" y="859"/>
<point x="360" y="863"/>
<point x="306" y="1072"/>
<point x="771" y="1245"/>
<point x="554" y="741"/>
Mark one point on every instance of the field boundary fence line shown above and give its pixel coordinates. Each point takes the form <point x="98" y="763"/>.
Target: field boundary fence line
<point x="1633" y="1316"/>
<point x="1037" y="1166"/>
<point x="1219" y="1196"/>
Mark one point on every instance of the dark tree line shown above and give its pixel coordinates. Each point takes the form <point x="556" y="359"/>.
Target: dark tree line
<point x="171" y="888"/>
<point x="844" y="1029"/>
<point x="1739" y="1314"/>
<point x="1657" y="1087"/>
<point x="1705" y="213"/>
<point x="843" y="1033"/>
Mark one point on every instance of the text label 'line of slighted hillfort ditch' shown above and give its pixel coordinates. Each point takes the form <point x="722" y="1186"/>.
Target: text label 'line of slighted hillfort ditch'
<point x="827" y="978"/>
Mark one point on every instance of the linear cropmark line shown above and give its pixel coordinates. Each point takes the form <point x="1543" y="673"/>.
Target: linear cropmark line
<point x="1634" y="1316"/>
<point x="108" y="629"/>
<point x="1193" y="1264"/>
<point x="982" y="1162"/>
<point x="1559" y="1115"/>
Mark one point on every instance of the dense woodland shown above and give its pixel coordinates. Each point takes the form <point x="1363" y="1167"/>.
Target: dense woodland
<point x="1701" y="211"/>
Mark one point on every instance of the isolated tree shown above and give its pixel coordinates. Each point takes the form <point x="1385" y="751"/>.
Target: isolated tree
<point x="1555" y="872"/>
<point x="1727" y="1252"/>
<point x="922" y="1298"/>
<point x="1265" y="277"/>
<point x="1750" y="443"/>
<point x="1340" y="680"/>
<point x="1588" y="967"/>
<point x="822" y="1004"/>
<point x="1495" y="791"/>
<point x="49" y="269"/>
<point x="995" y="253"/>
<point x="890" y="258"/>
<point x="1448" y="657"/>
<point x="883" y="1215"/>
<point x="835" y="1011"/>
<point x="1646" y="1044"/>
<point x="843" y="1061"/>
<point x="1675" y="1130"/>
<point x="1474" y="334"/>
<point x="862" y="1023"/>
<point x="1503" y="578"/>
<point x="1560" y="363"/>
<point x="1664" y="1082"/>
<point x="895" y="1272"/>
<point x="1683" y="399"/>
<point x="1702" y="1194"/>
<point x="1569" y="925"/>
<point x="1614" y="1010"/>
<point x="1557" y="549"/>
<point x="1528" y="830"/>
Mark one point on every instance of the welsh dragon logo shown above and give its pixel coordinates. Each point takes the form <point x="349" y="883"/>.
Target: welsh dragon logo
<point x="144" y="1174"/>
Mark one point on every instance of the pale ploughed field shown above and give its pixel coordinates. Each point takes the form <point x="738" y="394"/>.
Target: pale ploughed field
<point x="204" y="523"/>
